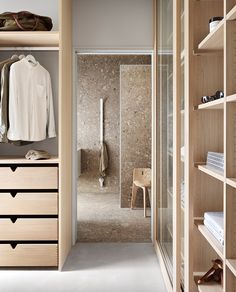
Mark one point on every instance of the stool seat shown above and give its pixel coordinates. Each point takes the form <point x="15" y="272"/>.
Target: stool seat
<point x="142" y="184"/>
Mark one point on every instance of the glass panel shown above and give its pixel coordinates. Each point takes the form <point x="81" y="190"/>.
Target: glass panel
<point x="165" y="95"/>
<point x="182" y="150"/>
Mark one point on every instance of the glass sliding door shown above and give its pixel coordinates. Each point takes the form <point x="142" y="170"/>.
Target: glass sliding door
<point x="165" y="98"/>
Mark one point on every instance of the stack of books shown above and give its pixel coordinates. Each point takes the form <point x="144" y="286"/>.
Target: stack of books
<point x="215" y="160"/>
<point x="214" y="221"/>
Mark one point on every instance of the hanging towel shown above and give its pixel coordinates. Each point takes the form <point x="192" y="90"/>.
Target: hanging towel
<point x="103" y="163"/>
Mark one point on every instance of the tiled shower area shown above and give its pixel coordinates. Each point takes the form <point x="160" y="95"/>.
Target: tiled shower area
<point x="124" y="83"/>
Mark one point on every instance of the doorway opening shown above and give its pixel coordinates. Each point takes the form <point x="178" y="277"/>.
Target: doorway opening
<point x="114" y="137"/>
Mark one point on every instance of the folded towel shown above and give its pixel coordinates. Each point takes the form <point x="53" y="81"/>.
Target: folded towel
<point x="217" y="221"/>
<point x="103" y="163"/>
<point x="214" y="232"/>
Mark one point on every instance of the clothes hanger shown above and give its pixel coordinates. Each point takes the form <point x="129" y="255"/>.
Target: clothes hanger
<point x="31" y="59"/>
<point x="21" y="56"/>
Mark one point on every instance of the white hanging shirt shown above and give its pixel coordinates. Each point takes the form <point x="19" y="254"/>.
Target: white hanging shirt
<point x="31" y="115"/>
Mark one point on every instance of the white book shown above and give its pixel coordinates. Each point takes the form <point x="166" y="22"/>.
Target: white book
<point x="217" y="236"/>
<point x="217" y="221"/>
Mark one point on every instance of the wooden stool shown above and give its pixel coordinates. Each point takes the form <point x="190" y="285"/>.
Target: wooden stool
<point x="141" y="179"/>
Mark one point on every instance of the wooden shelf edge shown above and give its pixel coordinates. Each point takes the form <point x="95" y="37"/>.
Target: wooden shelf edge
<point x="207" y="287"/>
<point x="231" y="98"/>
<point x="210" y="238"/>
<point x="212" y="105"/>
<point x="29" y="39"/>
<point x="231" y="264"/>
<point x="216" y="34"/>
<point x="211" y="171"/>
<point x="231" y="182"/>
<point x="231" y="15"/>
<point x="22" y="160"/>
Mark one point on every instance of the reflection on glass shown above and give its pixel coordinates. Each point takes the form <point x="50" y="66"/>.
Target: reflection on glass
<point x="165" y="94"/>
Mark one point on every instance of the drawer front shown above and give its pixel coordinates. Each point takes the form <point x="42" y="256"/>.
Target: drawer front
<point x="28" y="178"/>
<point x="29" y="204"/>
<point x="28" y="229"/>
<point x="28" y="255"/>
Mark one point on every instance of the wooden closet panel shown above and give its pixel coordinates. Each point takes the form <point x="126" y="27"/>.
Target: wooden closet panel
<point x="28" y="178"/>
<point x="65" y="129"/>
<point x="28" y="229"/>
<point x="28" y="255"/>
<point x="29" y="204"/>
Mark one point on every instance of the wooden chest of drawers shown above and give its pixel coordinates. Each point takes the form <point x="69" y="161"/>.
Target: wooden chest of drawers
<point x="28" y="215"/>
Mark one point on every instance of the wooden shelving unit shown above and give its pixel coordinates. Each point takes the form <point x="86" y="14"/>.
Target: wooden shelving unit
<point x="211" y="127"/>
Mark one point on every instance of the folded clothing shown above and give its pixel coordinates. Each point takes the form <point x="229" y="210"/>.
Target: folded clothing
<point x="210" y="227"/>
<point x="37" y="155"/>
<point x="216" y="219"/>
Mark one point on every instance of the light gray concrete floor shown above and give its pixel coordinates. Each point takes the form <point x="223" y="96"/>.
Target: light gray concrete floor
<point x="93" y="267"/>
<point x="100" y="219"/>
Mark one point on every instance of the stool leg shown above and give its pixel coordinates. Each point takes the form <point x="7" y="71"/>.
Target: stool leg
<point x="134" y="194"/>
<point x="144" y="201"/>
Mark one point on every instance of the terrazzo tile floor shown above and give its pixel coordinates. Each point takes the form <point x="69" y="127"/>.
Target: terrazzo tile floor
<point x="100" y="219"/>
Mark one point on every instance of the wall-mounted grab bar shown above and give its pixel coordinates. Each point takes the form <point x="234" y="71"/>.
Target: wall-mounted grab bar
<point x="101" y="120"/>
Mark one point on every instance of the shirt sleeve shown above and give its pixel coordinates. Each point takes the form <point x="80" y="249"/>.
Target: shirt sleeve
<point x="50" y="110"/>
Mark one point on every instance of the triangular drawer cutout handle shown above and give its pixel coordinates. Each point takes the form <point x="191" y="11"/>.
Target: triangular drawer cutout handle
<point x="13" y="168"/>
<point x="13" y="245"/>
<point x="13" y="219"/>
<point x="13" y="194"/>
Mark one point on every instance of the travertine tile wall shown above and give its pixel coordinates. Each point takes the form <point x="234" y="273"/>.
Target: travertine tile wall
<point x="136" y="116"/>
<point x="99" y="76"/>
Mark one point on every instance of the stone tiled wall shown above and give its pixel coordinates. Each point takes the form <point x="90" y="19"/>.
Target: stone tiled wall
<point x="99" y="76"/>
<point x="136" y="118"/>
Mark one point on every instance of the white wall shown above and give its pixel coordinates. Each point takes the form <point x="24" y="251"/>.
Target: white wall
<point x="113" y="24"/>
<point x="42" y="7"/>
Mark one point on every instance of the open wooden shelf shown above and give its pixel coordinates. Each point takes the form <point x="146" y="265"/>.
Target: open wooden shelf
<point x="231" y="264"/>
<point x="211" y="171"/>
<point x="219" y="249"/>
<point x="214" y="40"/>
<point x="29" y="39"/>
<point x="231" y="182"/>
<point x="212" y="105"/>
<point x="207" y="287"/>
<point x="231" y="15"/>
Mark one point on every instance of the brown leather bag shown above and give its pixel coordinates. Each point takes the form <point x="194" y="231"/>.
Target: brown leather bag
<point x="24" y="21"/>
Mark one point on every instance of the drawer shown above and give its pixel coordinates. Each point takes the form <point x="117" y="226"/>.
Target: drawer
<point x="28" y="229"/>
<point x="28" y="255"/>
<point x="24" y="177"/>
<point x="28" y="204"/>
